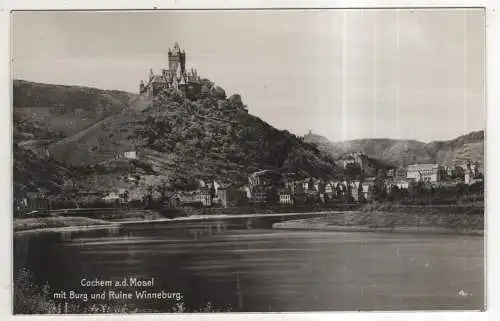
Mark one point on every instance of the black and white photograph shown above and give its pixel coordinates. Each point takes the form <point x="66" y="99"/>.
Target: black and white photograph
<point x="271" y="160"/>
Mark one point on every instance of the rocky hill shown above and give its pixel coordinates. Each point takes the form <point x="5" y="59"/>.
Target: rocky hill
<point x="404" y="152"/>
<point x="211" y="136"/>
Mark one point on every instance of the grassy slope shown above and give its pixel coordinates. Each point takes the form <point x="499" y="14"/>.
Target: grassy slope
<point x="43" y="115"/>
<point x="66" y="109"/>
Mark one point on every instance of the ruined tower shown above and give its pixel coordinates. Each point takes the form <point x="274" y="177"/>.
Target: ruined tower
<point x="142" y="87"/>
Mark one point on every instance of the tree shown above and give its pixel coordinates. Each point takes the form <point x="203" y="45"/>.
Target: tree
<point x="395" y="193"/>
<point x="218" y="93"/>
<point x="205" y="91"/>
<point x="416" y="189"/>
<point x="458" y="173"/>
<point x="352" y="171"/>
<point x="379" y="190"/>
<point x="163" y="188"/>
<point x="236" y="101"/>
<point x="361" y="194"/>
<point x="477" y="188"/>
<point x="462" y="189"/>
<point x="148" y="198"/>
<point x="338" y="189"/>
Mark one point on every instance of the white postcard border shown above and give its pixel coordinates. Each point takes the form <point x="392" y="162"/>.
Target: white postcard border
<point x="492" y="155"/>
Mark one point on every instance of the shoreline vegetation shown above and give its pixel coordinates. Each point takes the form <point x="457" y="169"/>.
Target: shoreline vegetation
<point x="390" y="222"/>
<point x="31" y="298"/>
<point x="382" y="217"/>
<point x="402" y="218"/>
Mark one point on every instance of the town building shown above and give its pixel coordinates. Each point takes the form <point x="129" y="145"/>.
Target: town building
<point x="338" y="188"/>
<point x="264" y="178"/>
<point x="356" y="159"/>
<point x="403" y="184"/>
<point x="130" y="154"/>
<point x="400" y="184"/>
<point x="472" y="173"/>
<point x="204" y="196"/>
<point x="187" y="198"/>
<point x="285" y="197"/>
<point x="449" y="170"/>
<point x="329" y="188"/>
<point x="248" y="192"/>
<point x="259" y="197"/>
<point x="400" y="173"/>
<point x="367" y="189"/>
<point x="35" y="201"/>
<point x="312" y="187"/>
<point x="367" y="192"/>
<point x="111" y="198"/>
<point x="230" y="195"/>
<point x="306" y="185"/>
<point x="424" y="172"/>
<point x="473" y="169"/>
<point x="321" y="189"/>
<point x="354" y="190"/>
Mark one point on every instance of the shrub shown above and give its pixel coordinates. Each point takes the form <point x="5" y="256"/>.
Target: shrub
<point x="218" y="93"/>
<point x="32" y="299"/>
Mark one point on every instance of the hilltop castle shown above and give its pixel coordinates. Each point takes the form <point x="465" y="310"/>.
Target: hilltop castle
<point x="175" y="77"/>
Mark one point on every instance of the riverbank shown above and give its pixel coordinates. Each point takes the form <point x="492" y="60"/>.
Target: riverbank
<point x="79" y="221"/>
<point x="63" y="223"/>
<point x="370" y="217"/>
<point x="375" y="221"/>
<point x="43" y="223"/>
<point x="476" y="208"/>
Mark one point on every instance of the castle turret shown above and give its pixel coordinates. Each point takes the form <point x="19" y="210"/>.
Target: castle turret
<point x="176" y="58"/>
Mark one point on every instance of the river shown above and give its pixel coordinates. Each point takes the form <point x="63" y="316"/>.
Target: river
<point x="261" y="269"/>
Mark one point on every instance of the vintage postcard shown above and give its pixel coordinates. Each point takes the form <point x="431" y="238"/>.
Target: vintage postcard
<point x="180" y="161"/>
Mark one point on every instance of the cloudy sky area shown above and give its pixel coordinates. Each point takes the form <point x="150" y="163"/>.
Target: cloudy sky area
<point x="344" y="74"/>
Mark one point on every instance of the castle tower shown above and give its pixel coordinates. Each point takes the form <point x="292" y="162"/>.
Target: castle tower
<point x="176" y="58"/>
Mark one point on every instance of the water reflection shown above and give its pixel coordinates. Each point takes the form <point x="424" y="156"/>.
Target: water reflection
<point x="249" y="267"/>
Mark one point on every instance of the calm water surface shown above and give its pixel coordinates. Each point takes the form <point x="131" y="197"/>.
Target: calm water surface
<point x="268" y="270"/>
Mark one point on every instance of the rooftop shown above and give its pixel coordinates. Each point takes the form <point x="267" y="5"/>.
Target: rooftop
<point x="416" y="167"/>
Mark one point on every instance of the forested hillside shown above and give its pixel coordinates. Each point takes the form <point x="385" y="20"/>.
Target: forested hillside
<point x="404" y="152"/>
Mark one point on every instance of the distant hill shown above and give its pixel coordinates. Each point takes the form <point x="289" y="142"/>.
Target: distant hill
<point x="212" y="136"/>
<point x="66" y="110"/>
<point x="404" y="152"/>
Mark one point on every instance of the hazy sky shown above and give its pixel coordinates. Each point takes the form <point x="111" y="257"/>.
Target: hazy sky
<point x="344" y="74"/>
